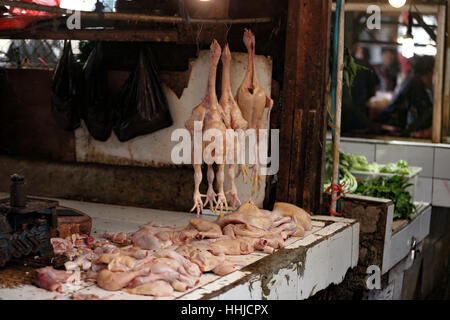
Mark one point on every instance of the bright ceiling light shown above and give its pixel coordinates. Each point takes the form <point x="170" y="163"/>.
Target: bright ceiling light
<point x="397" y="3"/>
<point x="408" y="46"/>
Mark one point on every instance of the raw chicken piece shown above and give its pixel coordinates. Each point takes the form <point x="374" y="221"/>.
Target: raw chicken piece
<point x="191" y="268"/>
<point x="208" y="113"/>
<point x="147" y="239"/>
<point x="232" y="115"/>
<point x="249" y="214"/>
<point x="134" y="251"/>
<point x="83" y="296"/>
<point x="245" y="230"/>
<point x="203" y="258"/>
<point x="205" y="228"/>
<point x="226" y="268"/>
<point x="114" y="281"/>
<point x="121" y="263"/>
<point x="159" y="288"/>
<point x="252" y="99"/>
<point x="61" y="246"/>
<point x="139" y="281"/>
<point x="117" y="237"/>
<point x="171" y="271"/>
<point x="231" y="247"/>
<point x="50" y="279"/>
<point x="298" y="214"/>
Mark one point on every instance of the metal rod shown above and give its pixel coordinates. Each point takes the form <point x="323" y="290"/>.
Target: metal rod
<point x="129" y="16"/>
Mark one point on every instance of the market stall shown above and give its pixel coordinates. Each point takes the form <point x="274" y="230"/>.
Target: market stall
<point x="108" y="200"/>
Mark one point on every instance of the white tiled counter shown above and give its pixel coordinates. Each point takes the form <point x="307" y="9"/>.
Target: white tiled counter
<point x="297" y="271"/>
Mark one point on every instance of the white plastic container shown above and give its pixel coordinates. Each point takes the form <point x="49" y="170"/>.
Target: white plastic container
<point x="413" y="177"/>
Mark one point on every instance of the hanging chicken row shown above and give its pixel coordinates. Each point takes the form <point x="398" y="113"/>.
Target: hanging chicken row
<point x="246" y="112"/>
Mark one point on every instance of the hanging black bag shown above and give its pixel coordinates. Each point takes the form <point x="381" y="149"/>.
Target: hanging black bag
<point x="142" y="107"/>
<point x="96" y="111"/>
<point x="64" y="106"/>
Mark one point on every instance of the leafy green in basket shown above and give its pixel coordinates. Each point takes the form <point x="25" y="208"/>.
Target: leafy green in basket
<point x="401" y="167"/>
<point x="394" y="188"/>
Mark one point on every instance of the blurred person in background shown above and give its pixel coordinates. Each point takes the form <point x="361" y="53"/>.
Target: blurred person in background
<point x="388" y="70"/>
<point x="354" y="101"/>
<point x="411" y="109"/>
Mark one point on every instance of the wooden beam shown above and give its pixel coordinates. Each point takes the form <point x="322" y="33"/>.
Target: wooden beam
<point x="386" y="7"/>
<point x="303" y="118"/>
<point x="129" y="16"/>
<point x="439" y="77"/>
<point x="93" y="34"/>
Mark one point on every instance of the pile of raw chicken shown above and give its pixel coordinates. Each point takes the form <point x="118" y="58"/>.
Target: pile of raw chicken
<point x="157" y="260"/>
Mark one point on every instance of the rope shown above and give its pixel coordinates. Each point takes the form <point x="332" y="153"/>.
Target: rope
<point x="336" y="188"/>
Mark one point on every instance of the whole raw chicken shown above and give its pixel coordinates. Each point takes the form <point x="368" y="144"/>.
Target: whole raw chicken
<point x="233" y="119"/>
<point x="209" y="115"/>
<point x="252" y="101"/>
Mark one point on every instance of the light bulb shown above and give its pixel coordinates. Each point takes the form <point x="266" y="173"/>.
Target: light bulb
<point x="408" y="47"/>
<point x="397" y="3"/>
<point x="430" y="50"/>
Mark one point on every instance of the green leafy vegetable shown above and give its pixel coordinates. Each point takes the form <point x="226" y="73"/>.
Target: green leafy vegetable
<point x="346" y="178"/>
<point x="394" y="188"/>
<point x="401" y="167"/>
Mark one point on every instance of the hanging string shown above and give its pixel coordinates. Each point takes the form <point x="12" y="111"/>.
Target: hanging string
<point x="197" y="40"/>
<point x="228" y="29"/>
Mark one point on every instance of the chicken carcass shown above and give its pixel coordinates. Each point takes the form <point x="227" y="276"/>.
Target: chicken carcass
<point x="252" y="100"/>
<point x="114" y="281"/>
<point x="298" y="214"/>
<point x="205" y="229"/>
<point x="233" y="119"/>
<point x="208" y="114"/>
<point x="226" y="268"/>
<point x="50" y="279"/>
<point x="158" y="288"/>
<point x="248" y="214"/>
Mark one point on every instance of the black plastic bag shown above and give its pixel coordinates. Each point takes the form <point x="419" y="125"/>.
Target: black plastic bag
<point x="64" y="105"/>
<point x="94" y="83"/>
<point x="142" y="107"/>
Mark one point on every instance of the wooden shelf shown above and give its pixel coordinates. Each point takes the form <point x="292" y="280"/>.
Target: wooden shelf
<point x="94" y="34"/>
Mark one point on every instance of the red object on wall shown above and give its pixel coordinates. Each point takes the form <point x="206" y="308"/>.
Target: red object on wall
<point x="15" y="22"/>
<point x="20" y="18"/>
<point x="23" y="12"/>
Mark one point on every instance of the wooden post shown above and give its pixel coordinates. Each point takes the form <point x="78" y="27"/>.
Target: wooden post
<point x="439" y="77"/>
<point x="303" y="117"/>
<point x="337" y="116"/>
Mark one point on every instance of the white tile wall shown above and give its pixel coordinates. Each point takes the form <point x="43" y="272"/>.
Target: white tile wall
<point x="424" y="190"/>
<point x="360" y="149"/>
<point x="416" y="156"/>
<point x="442" y="163"/>
<point x="441" y="193"/>
<point x="434" y="181"/>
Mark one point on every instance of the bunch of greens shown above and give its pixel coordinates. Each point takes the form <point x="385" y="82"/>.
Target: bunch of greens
<point x="401" y="167"/>
<point x="394" y="188"/>
<point x="346" y="178"/>
<point x="360" y="163"/>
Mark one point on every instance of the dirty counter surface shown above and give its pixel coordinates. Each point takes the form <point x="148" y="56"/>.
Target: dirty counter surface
<point x="112" y="218"/>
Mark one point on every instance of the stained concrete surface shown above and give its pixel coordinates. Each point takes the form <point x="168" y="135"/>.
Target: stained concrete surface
<point x="158" y="188"/>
